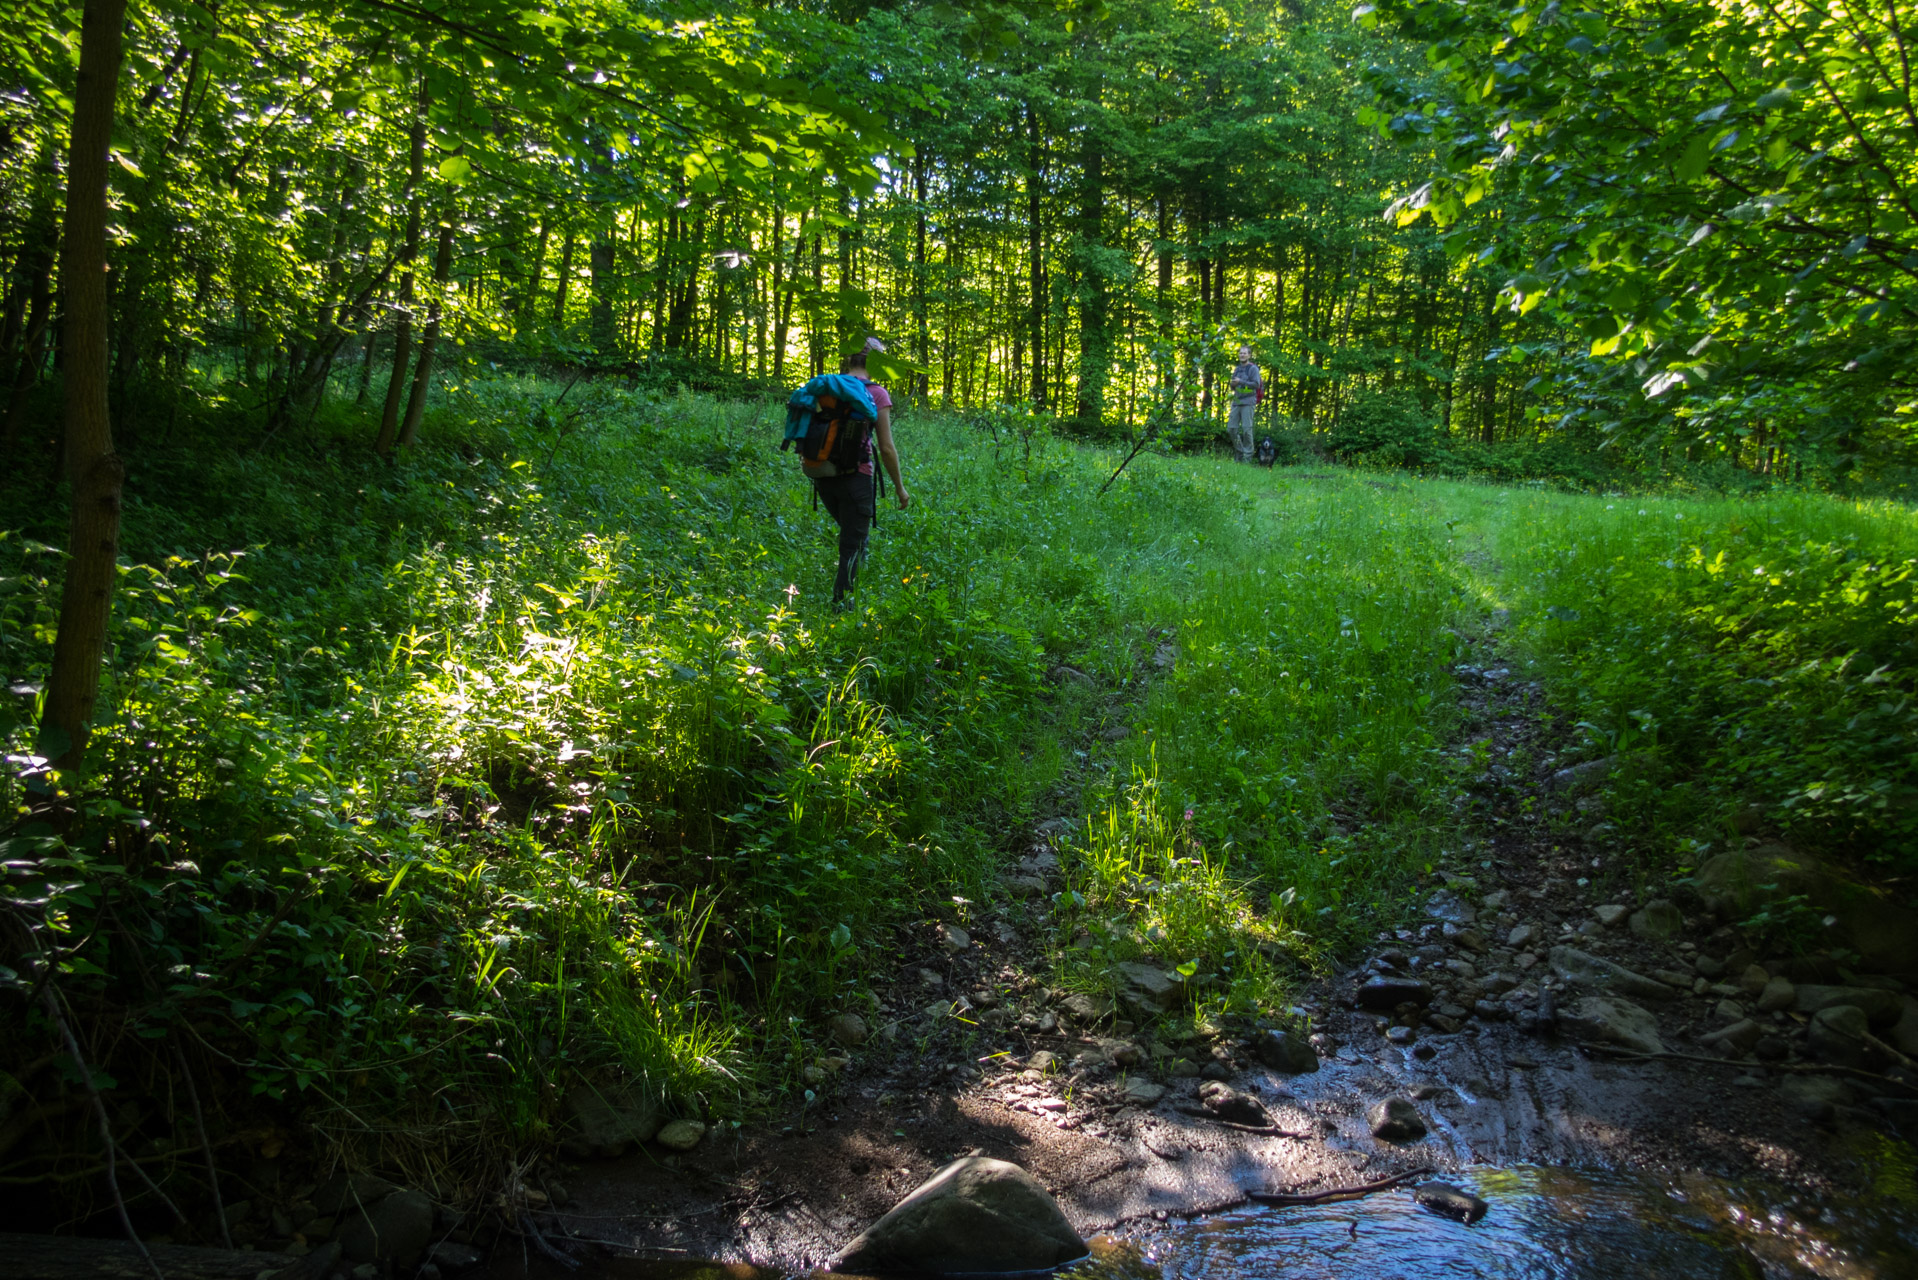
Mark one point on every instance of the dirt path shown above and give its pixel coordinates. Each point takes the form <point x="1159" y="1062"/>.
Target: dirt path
<point x="1488" y="1068"/>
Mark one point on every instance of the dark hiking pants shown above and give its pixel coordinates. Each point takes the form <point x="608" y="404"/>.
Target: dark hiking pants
<point x="849" y="501"/>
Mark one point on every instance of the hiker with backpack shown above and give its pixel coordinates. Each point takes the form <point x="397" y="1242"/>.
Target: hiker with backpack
<point x="1248" y="388"/>
<point x="834" y="421"/>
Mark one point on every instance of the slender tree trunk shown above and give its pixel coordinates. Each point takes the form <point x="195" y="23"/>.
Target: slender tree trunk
<point x="94" y="469"/>
<point x="1488" y="407"/>
<point x="604" y="265"/>
<point x="536" y="276"/>
<point x="782" y="298"/>
<point x="1036" y="256"/>
<point x="1165" y="267"/>
<point x="1206" y="292"/>
<point x="919" y="275"/>
<point x="1095" y="340"/>
<point x="39" y="318"/>
<point x="403" y="327"/>
<point x="565" y="281"/>
<point x="953" y="267"/>
<point x="815" y="340"/>
<point x="423" y="374"/>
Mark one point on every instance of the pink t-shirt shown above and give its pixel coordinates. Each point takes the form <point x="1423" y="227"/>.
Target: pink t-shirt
<point x="881" y="399"/>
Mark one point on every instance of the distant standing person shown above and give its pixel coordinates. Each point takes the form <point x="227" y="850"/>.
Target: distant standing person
<point x="849" y="497"/>
<point x="1247" y="389"/>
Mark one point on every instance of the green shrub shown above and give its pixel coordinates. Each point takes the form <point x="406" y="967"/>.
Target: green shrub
<point x="1746" y="666"/>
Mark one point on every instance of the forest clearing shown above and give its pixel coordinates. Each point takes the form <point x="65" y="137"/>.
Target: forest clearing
<point x="454" y="824"/>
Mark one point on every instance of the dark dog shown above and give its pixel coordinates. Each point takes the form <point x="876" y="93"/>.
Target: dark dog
<point x="1267" y="452"/>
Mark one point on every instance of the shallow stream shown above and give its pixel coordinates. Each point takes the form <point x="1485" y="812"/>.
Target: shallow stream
<point x="1543" y="1223"/>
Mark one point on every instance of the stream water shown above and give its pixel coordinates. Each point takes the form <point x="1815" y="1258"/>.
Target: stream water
<point x="1543" y="1224"/>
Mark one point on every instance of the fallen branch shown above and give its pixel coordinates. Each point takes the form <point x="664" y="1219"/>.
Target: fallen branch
<point x="1339" y="1193"/>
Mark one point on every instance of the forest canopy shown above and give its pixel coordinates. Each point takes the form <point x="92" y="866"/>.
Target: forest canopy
<point x="1643" y="235"/>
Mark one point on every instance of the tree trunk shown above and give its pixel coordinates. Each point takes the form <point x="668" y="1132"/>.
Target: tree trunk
<point x="423" y="374"/>
<point x="1165" y="269"/>
<point x="605" y="267"/>
<point x="535" y="277"/>
<point x="1036" y="259"/>
<point x="783" y="298"/>
<point x="34" y="337"/>
<point x="1488" y="406"/>
<point x="1095" y="342"/>
<point x="95" y="470"/>
<point x="565" y="279"/>
<point x="403" y="329"/>
<point x="919" y="276"/>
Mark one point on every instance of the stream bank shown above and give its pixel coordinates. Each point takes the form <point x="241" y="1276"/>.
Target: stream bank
<point x="1479" y="1016"/>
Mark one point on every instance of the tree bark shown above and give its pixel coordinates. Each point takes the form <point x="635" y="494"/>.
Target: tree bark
<point x="919" y="277"/>
<point x="565" y="279"/>
<point x="95" y="470"/>
<point x="33" y="339"/>
<point x="423" y="374"/>
<point x="403" y="329"/>
<point x="1095" y="339"/>
<point x="603" y="255"/>
<point x="1036" y="259"/>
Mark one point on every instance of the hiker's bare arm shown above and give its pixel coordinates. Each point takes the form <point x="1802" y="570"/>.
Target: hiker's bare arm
<point x="889" y="458"/>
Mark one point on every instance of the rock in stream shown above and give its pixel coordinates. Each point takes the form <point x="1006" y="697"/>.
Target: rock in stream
<point x="976" y="1214"/>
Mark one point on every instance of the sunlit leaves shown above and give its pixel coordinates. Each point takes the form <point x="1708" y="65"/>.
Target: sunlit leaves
<point x="1683" y="171"/>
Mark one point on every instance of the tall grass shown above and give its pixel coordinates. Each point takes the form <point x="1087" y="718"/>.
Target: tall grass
<point x="1751" y="663"/>
<point x="1308" y="623"/>
<point x="541" y="757"/>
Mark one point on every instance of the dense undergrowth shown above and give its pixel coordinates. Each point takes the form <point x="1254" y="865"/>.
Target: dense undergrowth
<point x="421" y="792"/>
<point x="1751" y="665"/>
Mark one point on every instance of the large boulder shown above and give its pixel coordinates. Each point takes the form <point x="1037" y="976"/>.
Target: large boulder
<point x="1879" y="1006"/>
<point x="607" y="1121"/>
<point x="1228" y="1104"/>
<point x="1395" y="1120"/>
<point x="976" y="1214"/>
<point x="1386" y="994"/>
<point x="1286" y="1052"/>
<point x="1740" y="881"/>
<point x="1838" y="1035"/>
<point x="1737" y="883"/>
<point x="396" y="1230"/>
<point x="1149" y="989"/>
<point x="344" y="1191"/>
<point x="1904" y="1034"/>
<point x="1658" y="921"/>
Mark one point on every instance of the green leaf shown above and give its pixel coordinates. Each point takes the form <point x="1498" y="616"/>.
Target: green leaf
<point x="456" y="168"/>
<point x="1697" y="155"/>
